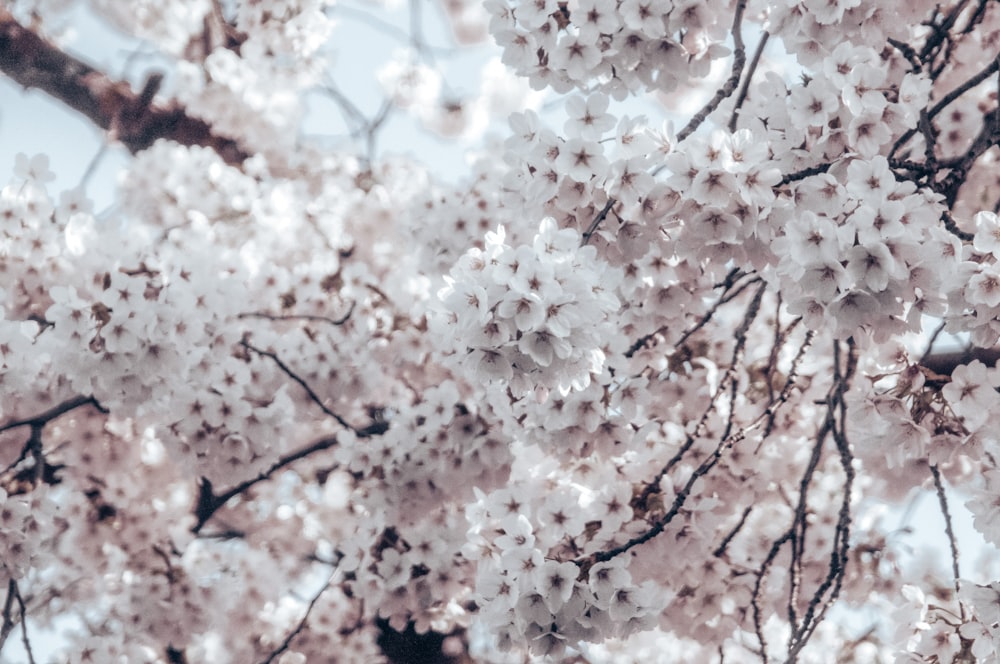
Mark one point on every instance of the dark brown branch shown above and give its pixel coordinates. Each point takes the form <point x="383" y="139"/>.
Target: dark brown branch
<point x="129" y="117"/>
<point x="597" y="221"/>
<point x="988" y="136"/>
<point x="302" y="623"/>
<point x="24" y="624"/>
<point x="708" y="463"/>
<point x="945" y="363"/>
<point x="209" y="502"/>
<point x="943" y="502"/>
<point x="721" y="549"/>
<point x="745" y="86"/>
<point x="726" y="296"/>
<point x="952" y="227"/>
<point x="641" y="500"/>
<point x="298" y="379"/>
<point x="821" y="602"/>
<point x="44" y="418"/>
<point x="805" y="172"/>
<point x="972" y="82"/>
<point x="739" y="61"/>
<point x="307" y="317"/>
<point x="908" y="53"/>
<point x="8" y="618"/>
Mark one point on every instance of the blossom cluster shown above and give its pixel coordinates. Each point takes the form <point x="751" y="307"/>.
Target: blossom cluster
<point x="530" y="316"/>
<point x="622" y="46"/>
<point x="543" y="604"/>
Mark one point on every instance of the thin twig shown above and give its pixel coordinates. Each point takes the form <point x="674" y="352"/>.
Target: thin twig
<point x="8" y="607"/>
<point x="805" y="172"/>
<point x="298" y="379"/>
<point x="721" y="549"/>
<point x="275" y="317"/>
<point x="818" y="606"/>
<point x="54" y="412"/>
<point x="930" y="342"/>
<point x="24" y="626"/>
<point x="739" y="60"/>
<point x="209" y="502"/>
<point x="952" y="227"/>
<point x="943" y="502"/>
<point x="302" y="623"/>
<point x="745" y="86"/>
<point x="707" y="464"/>
<point x="597" y="221"/>
<point x="726" y="296"/>
<point x="972" y="82"/>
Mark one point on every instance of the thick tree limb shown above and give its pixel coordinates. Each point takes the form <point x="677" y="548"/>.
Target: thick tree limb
<point x="945" y="363"/>
<point x="129" y="117"/>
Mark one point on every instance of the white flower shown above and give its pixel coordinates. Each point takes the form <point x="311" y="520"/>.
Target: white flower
<point x="870" y="180"/>
<point x="576" y="55"/>
<point x="812" y="105"/>
<point x="987" y="238"/>
<point x="607" y="578"/>
<point x="823" y="280"/>
<point x="518" y="533"/>
<point x="526" y="310"/>
<point x="491" y="365"/>
<point x="543" y="347"/>
<point x="868" y="132"/>
<point x="871" y="266"/>
<point x="984" y="286"/>
<point x="35" y="169"/>
<point x="582" y="160"/>
<point x="853" y="309"/>
<point x="972" y="393"/>
<point x="555" y="582"/>
<point x="646" y="16"/>
<point x="588" y="118"/>
<point x="862" y="92"/>
<point x="533" y="14"/>
<point x="985" y="507"/>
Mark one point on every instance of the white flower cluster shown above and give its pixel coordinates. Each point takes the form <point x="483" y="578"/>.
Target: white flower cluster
<point x="866" y="252"/>
<point x="26" y="528"/>
<point x="171" y="24"/>
<point x="297" y="28"/>
<point x="531" y="316"/>
<point x="975" y="305"/>
<point x="545" y="605"/>
<point x="935" y="633"/>
<point x="625" y="46"/>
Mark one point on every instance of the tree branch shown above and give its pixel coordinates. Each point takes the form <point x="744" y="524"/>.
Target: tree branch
<point x="597" y="221"/>
<point x="284" y="645"/>
<point x="739" y="61"/>
<point x="209" y="502"/>
<point x="943" y="502"/>
<point x="128" y="117"/>
<point x="54" y="412"/>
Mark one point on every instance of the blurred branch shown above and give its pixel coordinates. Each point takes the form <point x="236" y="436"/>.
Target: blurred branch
<point x="128" y="117"/>
<point x="284" y="645"/>
<point x="10" y="621"/>
<point x="945" y="363"/>
<point x="209" y="502"/>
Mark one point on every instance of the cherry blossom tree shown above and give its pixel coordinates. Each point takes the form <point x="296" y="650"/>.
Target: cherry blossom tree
<point x="637" y="387"/>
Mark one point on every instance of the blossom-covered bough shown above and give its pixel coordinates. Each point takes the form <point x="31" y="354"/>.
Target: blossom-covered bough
<point x="626" y="394"/>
